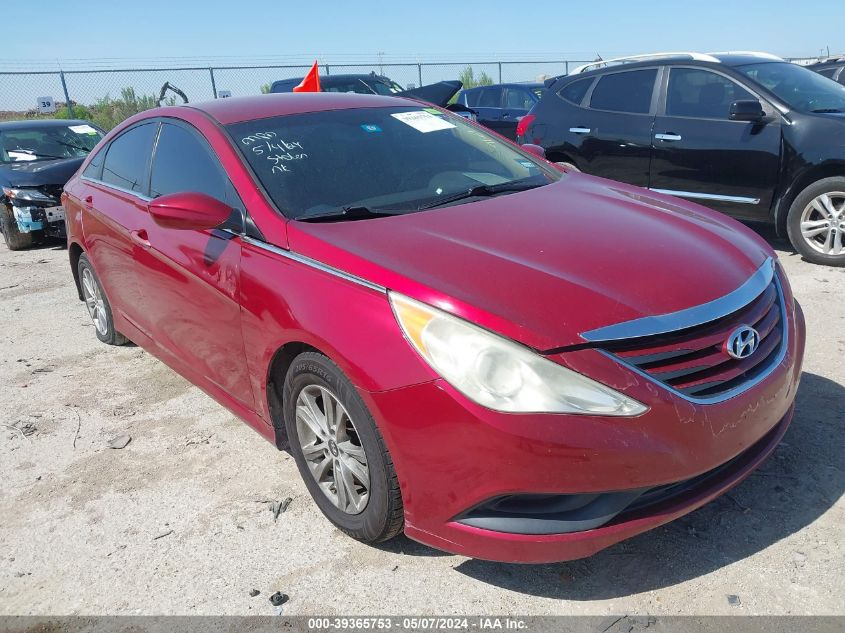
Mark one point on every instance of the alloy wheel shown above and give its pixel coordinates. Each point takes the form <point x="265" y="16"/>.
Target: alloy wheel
<point x="332" y="449"/>
<point x="823" y="223"/>
<point x="94" y="302"/>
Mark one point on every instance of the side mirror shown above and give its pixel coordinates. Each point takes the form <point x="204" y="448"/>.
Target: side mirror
<point x="747" y="110"/>
<point x="189" y="210"/>
<point x="534" y="149"/>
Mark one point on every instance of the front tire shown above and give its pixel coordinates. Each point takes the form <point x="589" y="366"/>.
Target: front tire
<point x="816" y="222"/>
<point x="15" y="240"/>
<point x="98" y="305"/>
<point x="339" y="451"/>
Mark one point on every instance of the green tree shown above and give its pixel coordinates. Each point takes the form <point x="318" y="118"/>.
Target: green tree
<point x="469" y="80"/>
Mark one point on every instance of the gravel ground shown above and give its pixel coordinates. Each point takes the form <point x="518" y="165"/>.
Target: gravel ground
<point x="179" y="521"/>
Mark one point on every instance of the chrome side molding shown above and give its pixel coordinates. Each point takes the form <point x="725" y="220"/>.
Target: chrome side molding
<point x="705" y="196"/>
<point x="313" y="263"/>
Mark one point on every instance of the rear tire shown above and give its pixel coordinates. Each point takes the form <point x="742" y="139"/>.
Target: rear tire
<point x="816" y="222"/>
<point x="98" y="305"/>
<point x="345" y="451"/>
<point x="15" y="240"/>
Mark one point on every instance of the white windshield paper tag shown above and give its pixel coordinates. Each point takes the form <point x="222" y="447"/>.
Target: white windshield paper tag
<point x="423" y="121"/>
<point x="83" y="129"/>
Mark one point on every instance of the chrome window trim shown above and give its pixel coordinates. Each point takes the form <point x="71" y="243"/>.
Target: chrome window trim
<point x="731" y="393"/>
<point x="689" y="317"/>
<point x="313" y="263"/>
<point x="108" y="185"/>
<point x="706" y="196"/>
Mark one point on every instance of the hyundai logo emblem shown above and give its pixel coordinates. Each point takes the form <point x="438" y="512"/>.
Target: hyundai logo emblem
<point x="742" y="342"/>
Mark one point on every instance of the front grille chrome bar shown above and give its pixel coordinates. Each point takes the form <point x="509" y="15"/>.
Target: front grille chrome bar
<point x="689" y="317"/>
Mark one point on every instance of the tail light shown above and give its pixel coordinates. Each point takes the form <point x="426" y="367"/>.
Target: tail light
<point x="524" y="122"/>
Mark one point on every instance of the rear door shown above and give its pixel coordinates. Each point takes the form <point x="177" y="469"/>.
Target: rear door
<point x="190" y="279"/>
<point x="489" y="107"/>
<point x="113" y="200"/>
<point x="701" y="155"/>
<point x="614" y="132"/>
<point x="516" y="102"/>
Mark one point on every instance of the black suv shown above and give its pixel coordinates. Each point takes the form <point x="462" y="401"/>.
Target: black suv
<point x="744" y="133"/>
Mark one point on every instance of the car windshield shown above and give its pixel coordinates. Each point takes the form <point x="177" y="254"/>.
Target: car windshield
<point x="399" y="160"/>
<point x="47" y="142"/>
<point x="801" y="89"/>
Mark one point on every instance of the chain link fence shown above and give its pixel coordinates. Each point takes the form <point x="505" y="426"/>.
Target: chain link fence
<point x="107" y="97"/>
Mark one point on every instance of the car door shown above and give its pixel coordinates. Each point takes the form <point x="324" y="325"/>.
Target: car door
<point x="489" y="107"/>
<point x="700" y="154"/>
<point x="190" y="279"/>
<point x="614" y="131"/>
<point x="516" y="102"/>
<point x="113" y="203"/>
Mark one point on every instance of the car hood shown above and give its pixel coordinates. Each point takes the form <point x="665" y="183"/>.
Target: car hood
<point x="35" y="173"/>
<point x="437" y="94"/>
<point x="545" y="265"/>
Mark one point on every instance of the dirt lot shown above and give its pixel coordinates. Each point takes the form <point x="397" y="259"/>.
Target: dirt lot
<point x="178" y="522"/>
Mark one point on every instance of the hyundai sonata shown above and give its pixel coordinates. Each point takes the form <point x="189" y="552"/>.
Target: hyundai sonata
<point x="453" y="337"/>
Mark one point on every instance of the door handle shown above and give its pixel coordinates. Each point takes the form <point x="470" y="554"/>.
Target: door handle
<point x="668" y="136"/>
<point x="89" y="201"/>
<point x="580" y="130"/>
<point x="140" y="238"/>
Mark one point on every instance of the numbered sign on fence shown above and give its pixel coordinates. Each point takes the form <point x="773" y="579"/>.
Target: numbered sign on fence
<point x="46" y="105"/>
<point x="223" y="94"/>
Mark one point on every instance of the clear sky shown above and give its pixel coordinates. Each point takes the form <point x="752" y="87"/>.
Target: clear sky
<point x="96" y="32"/>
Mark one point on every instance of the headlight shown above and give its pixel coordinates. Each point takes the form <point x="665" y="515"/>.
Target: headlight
<point x="28" y="195"/>
<point x="498" y="373"/>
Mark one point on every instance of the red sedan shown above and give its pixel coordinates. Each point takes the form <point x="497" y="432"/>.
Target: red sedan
<point x="452" y="336"/>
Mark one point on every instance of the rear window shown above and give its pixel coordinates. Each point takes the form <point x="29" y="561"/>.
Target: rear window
<point x="576" y="91"/>
<point x="625" y="92"/>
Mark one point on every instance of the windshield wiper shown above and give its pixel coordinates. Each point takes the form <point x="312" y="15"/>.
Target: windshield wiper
<point x="827" y="110"/>
<point x="483" y="190"/>
<point x="347" y="213"/>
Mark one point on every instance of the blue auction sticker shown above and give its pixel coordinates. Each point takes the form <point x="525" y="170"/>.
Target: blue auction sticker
<point x="370" y="127"/>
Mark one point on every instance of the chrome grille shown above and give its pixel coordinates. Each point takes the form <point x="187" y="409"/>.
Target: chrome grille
<point x="694" y="361"/>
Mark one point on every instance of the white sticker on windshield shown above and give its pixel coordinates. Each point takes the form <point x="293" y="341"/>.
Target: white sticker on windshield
<point x="82" y="129"/>
<point x="423" y="121"/>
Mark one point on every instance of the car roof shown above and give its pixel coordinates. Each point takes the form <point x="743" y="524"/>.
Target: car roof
<point x="719" y="60"/>
<point x="29" y="123"/>
<point x="237" y="109"/>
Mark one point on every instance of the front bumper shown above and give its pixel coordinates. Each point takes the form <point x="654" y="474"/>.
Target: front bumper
<point x="452" y="455"/>
<point x="47" y="218"/>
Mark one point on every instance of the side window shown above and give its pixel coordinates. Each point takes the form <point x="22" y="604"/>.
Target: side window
<point x="184" y="162"/>
<point x="576" y="91"/>
<point x="127" y="157"/>
<point x="490" y="98"/>
<point x="625" y="92"/>
<point x="694" y="92"/>
<point x="95" y="167"/>
<point x="828" y="72"/>
<point x="471" y="98"/>
<point x="518" y="99"/>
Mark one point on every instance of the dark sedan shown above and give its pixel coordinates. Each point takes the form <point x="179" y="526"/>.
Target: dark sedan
<point x="36" y="159"/>
<point x="500" y="107"/>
